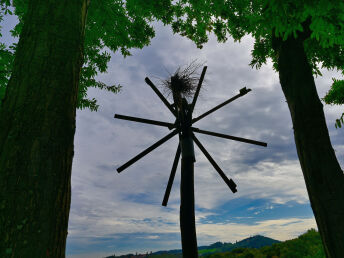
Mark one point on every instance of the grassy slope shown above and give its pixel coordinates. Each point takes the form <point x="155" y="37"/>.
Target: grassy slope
<point x="307" y="245"/>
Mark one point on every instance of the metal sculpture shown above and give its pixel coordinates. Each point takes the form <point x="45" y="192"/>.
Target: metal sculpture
<point x="182" y="110"/>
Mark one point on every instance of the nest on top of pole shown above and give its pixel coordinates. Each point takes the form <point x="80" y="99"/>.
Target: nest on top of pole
<point x="183" y="82"/>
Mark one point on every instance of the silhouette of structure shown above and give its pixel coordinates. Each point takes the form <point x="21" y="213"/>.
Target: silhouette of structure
<point x="182" y="110"/>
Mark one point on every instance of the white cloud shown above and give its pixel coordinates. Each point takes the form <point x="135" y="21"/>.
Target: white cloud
<point x="149" y="237"/>
<point x="279" y="229"/>
<point x="105" y="202"/>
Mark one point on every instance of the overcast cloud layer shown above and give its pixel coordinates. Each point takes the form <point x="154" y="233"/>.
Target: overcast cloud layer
<point x="122" y="213"/>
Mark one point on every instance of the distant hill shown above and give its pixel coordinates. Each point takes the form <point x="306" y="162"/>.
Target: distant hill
<point x="256" y="242"/>
<point x="253" y="242"/>
<point x="308" y="245"/>
<point x="219" y="247"/>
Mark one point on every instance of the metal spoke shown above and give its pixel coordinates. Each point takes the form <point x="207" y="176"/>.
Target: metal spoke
<point x="154" y="88"/>
<point x="146" y="121"/>
<point x="229" y="182"/>
<point x="226" y="136"/>
<point x="243" y="92"/>
<point x="198" y="89"/>
<point x="146" y="151"/>
<point x="171" y="178"/>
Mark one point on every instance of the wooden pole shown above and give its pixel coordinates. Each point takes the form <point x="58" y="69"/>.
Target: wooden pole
<point x="187" y="210"/>
<point x="183" y="112"/>
<point x="187" y="196"/>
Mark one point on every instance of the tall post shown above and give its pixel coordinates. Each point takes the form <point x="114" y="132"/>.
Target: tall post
<point x="187" y="197"/>
<point x="182" y="84"/>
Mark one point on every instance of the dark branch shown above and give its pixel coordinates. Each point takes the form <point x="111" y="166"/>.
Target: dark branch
<point x="146" y="151"/>
<point x="229" y="137"/>
<point x="171" y="178"/>
<point x="167" y="104"/>
<point x="243" y="92"/>
<point x="198" y="89"/>
<point x="229" y="182"/>
<point x="143" y="120"/>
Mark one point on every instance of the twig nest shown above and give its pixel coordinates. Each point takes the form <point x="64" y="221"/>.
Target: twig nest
<point x="183" y="82"/>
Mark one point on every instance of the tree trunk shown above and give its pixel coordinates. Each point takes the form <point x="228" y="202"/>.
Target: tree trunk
<point x="37" y="126"/>
<point x="321" y="170"/>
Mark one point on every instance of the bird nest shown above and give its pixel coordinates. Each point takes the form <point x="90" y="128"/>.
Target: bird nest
<point x="183" y="82"/>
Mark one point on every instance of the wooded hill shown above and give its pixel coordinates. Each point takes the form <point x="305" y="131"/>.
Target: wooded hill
<point x="307" y="245"/>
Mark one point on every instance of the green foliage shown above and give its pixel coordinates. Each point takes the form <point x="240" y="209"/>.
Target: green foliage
<point x="238" y="247"/>
<point x="6" y="54"/>
<point x="260" y="18"/>
<point x="204" y="251"/>
<point x="122" y="25"/>
<point x="306" y="245"/>
<point x="263" y="19"/>
<point x="335" y="96"/>
<point x="110" y="25"/>
<point x="166" y="256"/>
<point x="6" y="61"/>
<point x="161" y="10"/>
<point x="219" y="248"/>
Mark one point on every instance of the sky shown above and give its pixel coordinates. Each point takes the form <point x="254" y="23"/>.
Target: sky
<point x="114" y="213"/>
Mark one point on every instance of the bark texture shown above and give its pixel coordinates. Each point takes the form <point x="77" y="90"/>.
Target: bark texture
<point x="37" y="126"/>
<point x="322" y="173"/>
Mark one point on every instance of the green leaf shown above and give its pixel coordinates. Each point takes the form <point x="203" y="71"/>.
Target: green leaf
<point x="338" y="123"/>
<point x="110" y="24"/>
<point x="335" y="95"/>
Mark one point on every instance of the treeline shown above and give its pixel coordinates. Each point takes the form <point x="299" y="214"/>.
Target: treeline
<point x="131" y="255"/>
<point x="308" y="245"/>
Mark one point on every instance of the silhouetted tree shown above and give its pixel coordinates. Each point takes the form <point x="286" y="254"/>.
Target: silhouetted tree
<point x="39" y="92"/>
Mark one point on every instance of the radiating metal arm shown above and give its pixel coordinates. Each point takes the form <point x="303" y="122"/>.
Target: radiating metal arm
<point x="198" y="89"/>
<point x="229" y="182"/>
<point x="243" y="92"/>
<point x="171" y="178"/>
<point x="154" y="88"/>
<point x="146" y="151"/>
<point x="226" y="136"/>
<point x="146" y="121"/>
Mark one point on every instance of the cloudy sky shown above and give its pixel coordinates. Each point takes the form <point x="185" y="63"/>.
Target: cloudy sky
<point x="122" y="213"/>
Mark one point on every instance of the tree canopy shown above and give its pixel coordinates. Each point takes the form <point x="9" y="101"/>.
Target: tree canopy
<point x="263" y="19"/>
<point x="122" y="25"/>
<point x="109" y="26"/>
